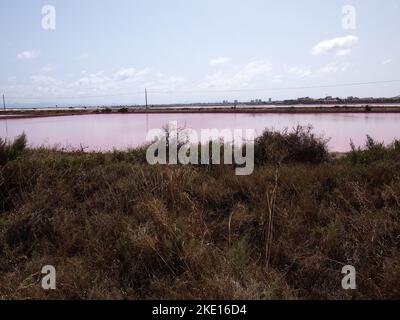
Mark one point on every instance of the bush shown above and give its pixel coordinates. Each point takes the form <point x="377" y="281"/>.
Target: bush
<point x="373" y="152"/>
<point x="300" y="145"/>
<point x="10" y="151"/>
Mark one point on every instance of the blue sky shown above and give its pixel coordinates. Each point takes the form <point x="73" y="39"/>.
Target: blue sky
<point x="107" y="52"/>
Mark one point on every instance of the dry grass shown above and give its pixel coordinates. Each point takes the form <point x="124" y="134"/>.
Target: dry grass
<point x="117" y="228"/>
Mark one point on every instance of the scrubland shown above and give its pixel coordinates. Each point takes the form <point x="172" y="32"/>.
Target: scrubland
<point x="117" y="228"/>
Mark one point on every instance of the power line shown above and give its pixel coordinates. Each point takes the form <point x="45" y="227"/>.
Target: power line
<point x="211" y="91"/>
<point x="283" y="88"/>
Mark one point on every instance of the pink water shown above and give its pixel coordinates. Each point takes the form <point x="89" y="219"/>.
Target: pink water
<point x="122" y="131"/>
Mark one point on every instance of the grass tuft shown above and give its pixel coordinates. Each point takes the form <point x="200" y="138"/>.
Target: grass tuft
<point x="11" y="150"/>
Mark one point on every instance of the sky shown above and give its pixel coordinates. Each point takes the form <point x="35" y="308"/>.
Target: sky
<point x="107" y="52"/>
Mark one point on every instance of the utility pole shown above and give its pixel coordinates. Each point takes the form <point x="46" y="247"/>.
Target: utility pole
<point x="4" y="103"/>
<point x="145" y="95"/>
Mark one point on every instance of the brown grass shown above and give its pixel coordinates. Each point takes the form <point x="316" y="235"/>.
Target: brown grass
<point x="117" y="228"/>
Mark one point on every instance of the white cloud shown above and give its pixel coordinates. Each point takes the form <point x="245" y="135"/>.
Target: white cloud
<point x="250" y="71"/>
<point x="220" y="60"/>
<point x="387" y="61"/>
<point x="301" y="72"/>
<point x="93" y="79"/>
<point x="28" y="55"/>
<point x="143" y="72"/>
<point x="99" y="84"/>
<point x="165" y="83"/>
<point x="238" y="78"/>
<point x="125" y="74"/>
<point x="257" y="67"/>
<point x="131" y="74"/>
<point x="333" y="68"/>
<point x="43" y="80"/>
<point x="339" y="46"/>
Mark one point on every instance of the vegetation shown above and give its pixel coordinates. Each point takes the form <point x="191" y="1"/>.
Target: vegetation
<point x="117" y="228"/>
<point x="299" y="145"/>
<point x="106" y="110"/>
<point x="375" y="152"/>
<point x="123" y="110"/>
<point x="10" y="151"/>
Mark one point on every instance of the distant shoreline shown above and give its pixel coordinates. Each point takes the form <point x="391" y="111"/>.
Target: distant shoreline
<point x="29" y="113"/>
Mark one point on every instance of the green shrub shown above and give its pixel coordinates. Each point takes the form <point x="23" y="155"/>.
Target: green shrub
<point x="300" y="145"/>
<point x="374" y="151"/>
<point x="123" y="110"/>
<point x="10" y="151"/>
